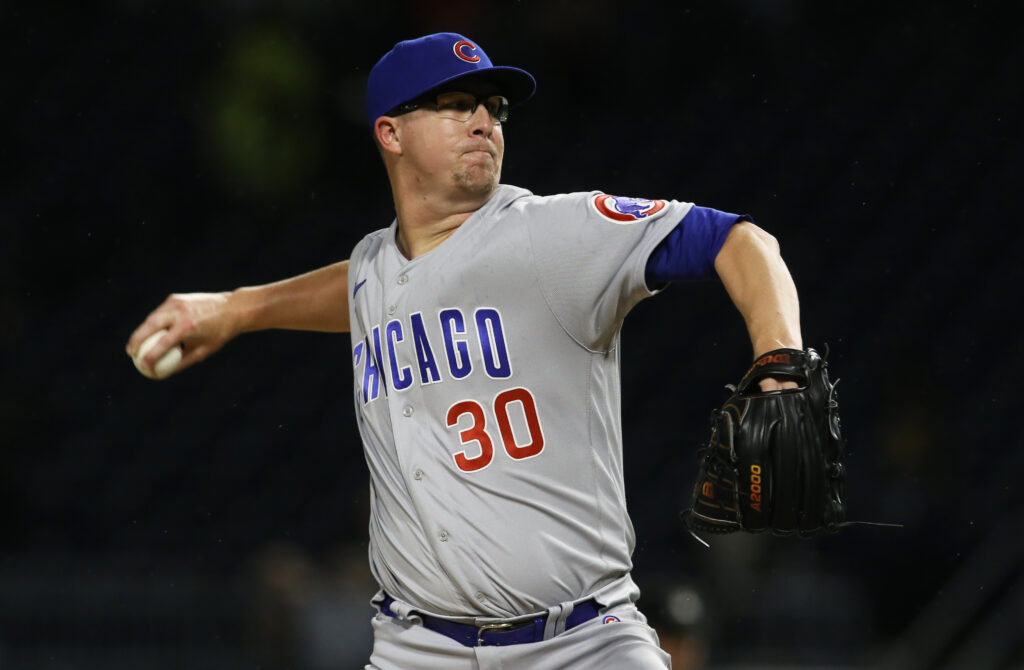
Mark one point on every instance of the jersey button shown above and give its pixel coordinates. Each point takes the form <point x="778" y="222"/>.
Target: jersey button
<point x="443" y="535"/>
<point x="391" y="309"/>
<point x="480" y="596"/>
<point x="418" y="475"/>
<point x="404" y="279"/>
<point x="407" y="411"/>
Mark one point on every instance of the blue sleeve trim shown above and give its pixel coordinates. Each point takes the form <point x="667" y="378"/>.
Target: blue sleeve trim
<point x="689" y="251"/>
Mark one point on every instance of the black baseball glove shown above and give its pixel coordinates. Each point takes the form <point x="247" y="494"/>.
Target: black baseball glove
<point x="774" y="460"/>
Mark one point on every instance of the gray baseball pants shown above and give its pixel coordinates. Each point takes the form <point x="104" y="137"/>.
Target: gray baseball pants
<point x="594" y="645"/>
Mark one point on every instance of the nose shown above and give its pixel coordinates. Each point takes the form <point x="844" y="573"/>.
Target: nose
<point x="481" y="122"/>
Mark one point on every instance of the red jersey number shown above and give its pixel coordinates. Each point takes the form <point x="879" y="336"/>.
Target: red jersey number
<point x="505" y="403"/>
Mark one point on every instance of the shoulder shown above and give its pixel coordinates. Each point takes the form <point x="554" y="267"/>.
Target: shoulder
<point x="598" y="207"/>
<point x="512" y="200"/>
<point x="370" y="245"/>
<point x="559" y="203"/>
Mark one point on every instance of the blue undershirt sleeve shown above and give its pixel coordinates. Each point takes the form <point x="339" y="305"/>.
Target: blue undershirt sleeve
<point x="689" y="251"/>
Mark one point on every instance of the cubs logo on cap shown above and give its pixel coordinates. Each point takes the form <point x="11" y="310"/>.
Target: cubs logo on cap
<point x="466" y="44"/>
<point x="415" y="67"/>
<point x="626" y="210"/>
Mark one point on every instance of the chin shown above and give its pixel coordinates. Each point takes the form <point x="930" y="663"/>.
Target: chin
<point x="477" y="182"/>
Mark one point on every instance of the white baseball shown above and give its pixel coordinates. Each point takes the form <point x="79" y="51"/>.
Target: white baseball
<point x="165" y="366"/>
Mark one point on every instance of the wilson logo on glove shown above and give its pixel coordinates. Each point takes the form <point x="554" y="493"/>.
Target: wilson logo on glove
<point x="782" y="359"/>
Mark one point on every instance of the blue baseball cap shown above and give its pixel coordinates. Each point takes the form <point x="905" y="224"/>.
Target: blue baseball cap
<point x="417" y="66"/>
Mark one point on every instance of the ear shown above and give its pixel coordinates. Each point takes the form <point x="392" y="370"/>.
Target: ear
<point x="385" y="129"/>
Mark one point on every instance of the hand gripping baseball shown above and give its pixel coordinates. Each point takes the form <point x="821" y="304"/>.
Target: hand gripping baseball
<point x="774" y="459"/>
<point x="198" y="322"/>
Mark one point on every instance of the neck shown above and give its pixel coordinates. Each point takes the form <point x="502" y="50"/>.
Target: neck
<point x="425" y="220"/>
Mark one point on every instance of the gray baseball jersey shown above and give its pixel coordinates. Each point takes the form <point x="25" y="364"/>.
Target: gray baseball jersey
<point x="486" y="378"/>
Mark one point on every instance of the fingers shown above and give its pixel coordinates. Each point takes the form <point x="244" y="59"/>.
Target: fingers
<point x="175" y="337"/>
<point x="158" y="319"/>
<point x="167" y="342"/>
<point x="170" y="316"/>
<point x="772" y="384"/>
<point x="199" y="323"/>
<point x="196" y="322"/>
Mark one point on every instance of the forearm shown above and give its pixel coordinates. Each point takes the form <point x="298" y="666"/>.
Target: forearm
<point x="316" y="300"/>
<point x="759" y="284"/>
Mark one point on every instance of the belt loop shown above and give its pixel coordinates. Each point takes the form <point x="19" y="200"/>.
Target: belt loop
<point x="557" y="616"/>
<point x="399" y="609"/>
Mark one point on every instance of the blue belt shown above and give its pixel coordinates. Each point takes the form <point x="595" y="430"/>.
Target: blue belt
<point x="497" y="634"/>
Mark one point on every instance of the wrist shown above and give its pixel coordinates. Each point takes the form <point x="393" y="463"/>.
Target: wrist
<point x="778" y="340"/>
<point x="243" y="310"/>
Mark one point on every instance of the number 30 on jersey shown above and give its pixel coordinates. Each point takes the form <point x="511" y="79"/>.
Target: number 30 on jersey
<point x="509" y="404"/>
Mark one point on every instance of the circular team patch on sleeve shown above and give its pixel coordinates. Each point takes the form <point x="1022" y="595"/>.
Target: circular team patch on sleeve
<point x="611" y="619"/>
<point x="626" y="210"/>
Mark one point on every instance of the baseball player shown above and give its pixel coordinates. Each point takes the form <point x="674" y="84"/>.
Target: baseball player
<point x="485" y="326"/>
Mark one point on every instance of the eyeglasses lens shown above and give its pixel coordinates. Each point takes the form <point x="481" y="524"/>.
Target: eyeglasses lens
<point x="461" y="106"/>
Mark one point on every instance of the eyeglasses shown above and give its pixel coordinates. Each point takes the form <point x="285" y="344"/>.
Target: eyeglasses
<point x="458" y="105"/>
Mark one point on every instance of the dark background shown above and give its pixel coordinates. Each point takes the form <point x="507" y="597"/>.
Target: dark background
<point x="218" y="518"/>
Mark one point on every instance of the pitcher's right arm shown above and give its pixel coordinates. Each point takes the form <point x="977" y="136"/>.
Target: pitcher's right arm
<point x="204" y="322"/>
